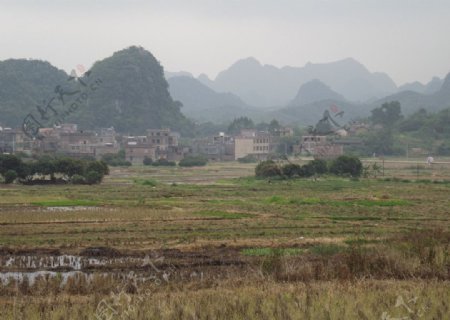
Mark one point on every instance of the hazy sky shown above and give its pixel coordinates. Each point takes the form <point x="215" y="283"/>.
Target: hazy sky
<point x="408" y="39"/>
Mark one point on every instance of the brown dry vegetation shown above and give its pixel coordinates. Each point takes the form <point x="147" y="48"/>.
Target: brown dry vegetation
<point x="229" y="247"/>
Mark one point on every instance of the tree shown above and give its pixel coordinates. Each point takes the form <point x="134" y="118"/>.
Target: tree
<point x="274" y="125"/>
<point x="97" y="166"/>
<point x="10" y="176"/>
<point x="248" y="159"/>
<point x="240" y="123"/>
<point x="266" y="169"/>
<point x="347" y="166"/>
<point x="69" y="167"/>
<point x="380" y="142"/>
<point x="45" y="166"/>
<point x="147" y="161"/>
<point x="77" y="179"/>
<point x="414" y="122"/>
<point x="193" y="161"/>
<point x="290" y="170"/>
<point x="388" y="114"/>
<point x="9" y="162"/>
<point x="319" y="166"/>
<point x="165" y="163"/>
<point x="93" y="177"/>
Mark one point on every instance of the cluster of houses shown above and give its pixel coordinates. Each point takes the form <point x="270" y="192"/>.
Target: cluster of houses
<point x="156" y="144"/>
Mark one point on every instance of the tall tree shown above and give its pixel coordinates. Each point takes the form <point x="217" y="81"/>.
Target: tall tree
<point x="388" y="114"/>
<point x="240" y="123"/>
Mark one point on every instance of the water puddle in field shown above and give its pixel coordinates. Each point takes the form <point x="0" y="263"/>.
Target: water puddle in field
<point x="79" y="276"/>
<point x="17" y="268"/>
<point x="75" y="263"/>
<point x="18" y="277"/>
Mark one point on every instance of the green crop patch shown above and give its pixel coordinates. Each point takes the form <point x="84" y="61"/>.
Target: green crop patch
<point x="382" y="203"/>
<point x="146" y="182"/>
<point x="272" y="251"/>
<point x="276" y="200"/>
<point x="326" y="249"/>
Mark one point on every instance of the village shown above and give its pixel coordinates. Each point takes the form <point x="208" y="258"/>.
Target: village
<point x="252" y="144"/>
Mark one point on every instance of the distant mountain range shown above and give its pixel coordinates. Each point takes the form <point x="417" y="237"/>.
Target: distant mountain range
<point x="301" y="95"/>
<point x="413" y="101"/>
<point x="431" y="87"/>
<point x="315" y="91"/>
<point x="137" y="94"/>
<point x="204" y="104"/>
<point x="267" y="86"/>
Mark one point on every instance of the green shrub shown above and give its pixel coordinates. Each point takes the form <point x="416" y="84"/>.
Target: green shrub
<point x="193" y="161"/>
<point x="306" y="171"/>
<point x="147" y="161"/>
<point x="268" y="168"/>
<point x="164" y="163"/>
<point x="11" y="162"/>
<point x="65" y="166"/>
<point x="347" y="166"/>
<point x="93" y="177"/>
<point x="248" y="159"/>
<point x="290" y="169"/>
<point x="78" y="179"/>
<point x="98" y="166"/>
<point x="319" y="165"/>
<point x="147" y="182"/>
<point x="316" y="166"/>
<point x="10" y="176"/>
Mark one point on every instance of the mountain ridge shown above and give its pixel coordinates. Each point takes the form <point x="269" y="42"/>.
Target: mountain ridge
<point x="315" y="91"/>
<point x="267" y="85"/>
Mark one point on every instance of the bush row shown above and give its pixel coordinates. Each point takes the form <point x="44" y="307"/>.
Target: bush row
<point x="52" y="170"/>
<point x="158" y="163"/>
<point x="341" y="166"/>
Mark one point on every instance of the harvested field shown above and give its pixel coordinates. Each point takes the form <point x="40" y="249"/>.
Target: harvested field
<point x="198" y="234"/>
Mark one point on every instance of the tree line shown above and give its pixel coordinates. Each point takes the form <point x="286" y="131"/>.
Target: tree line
<point x="51" y="170"/>
<point x="342" y="166"/>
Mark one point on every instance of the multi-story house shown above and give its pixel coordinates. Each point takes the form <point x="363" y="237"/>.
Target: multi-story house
<point x="251" y="142"/>
<point x="216" y="148"/>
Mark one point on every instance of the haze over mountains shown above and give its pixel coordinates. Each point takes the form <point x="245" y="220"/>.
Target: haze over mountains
<point x="314" y="91"/>
<point x="413" y="101"/>
<point x="299" y="95"/>
<point x="268" y="86"/>
<point x="431" y="87"/>
<point x="135" y="94"/>
<point x="202" y="103"/>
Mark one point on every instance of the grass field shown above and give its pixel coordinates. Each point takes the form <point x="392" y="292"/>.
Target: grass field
<point x="216" y="243"/>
